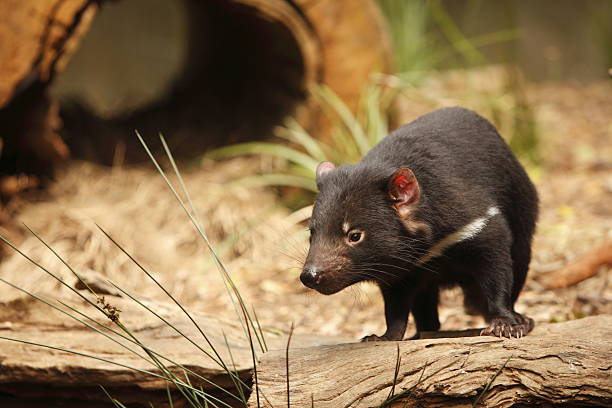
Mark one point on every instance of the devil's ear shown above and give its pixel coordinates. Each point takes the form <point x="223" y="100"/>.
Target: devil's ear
<point x="403" y="191"/>
<point x="322" y="170"/>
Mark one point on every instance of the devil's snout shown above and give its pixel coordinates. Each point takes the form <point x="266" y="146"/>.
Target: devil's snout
<point x="311" y="276"/>
<point x="325" y="275"/>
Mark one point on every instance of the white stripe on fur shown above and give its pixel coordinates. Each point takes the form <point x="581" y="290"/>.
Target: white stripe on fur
<point x="469" y="231"/>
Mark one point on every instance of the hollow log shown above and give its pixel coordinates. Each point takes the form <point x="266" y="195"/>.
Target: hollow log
<point x="250" y="63"/>
<point x="563" y="364"/>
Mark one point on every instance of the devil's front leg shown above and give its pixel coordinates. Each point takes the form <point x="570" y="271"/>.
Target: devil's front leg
<point x="425" y="310"/>
<point x="495" y="279"/>
<point x="398" y="299"/>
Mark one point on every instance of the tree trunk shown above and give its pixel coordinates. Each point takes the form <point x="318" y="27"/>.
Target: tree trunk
<point x="566" y="364"/>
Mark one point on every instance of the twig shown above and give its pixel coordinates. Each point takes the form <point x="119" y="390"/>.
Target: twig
<point x="581" y="269"/>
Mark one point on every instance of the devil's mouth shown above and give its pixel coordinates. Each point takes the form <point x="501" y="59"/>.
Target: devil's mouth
<point x="329" y="290"/>
<point x="329" y="283"/>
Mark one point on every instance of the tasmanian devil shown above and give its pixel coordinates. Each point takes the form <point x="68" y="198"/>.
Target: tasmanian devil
<point x="439" y="202"/>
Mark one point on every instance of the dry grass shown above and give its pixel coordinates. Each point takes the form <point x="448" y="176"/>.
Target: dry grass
<point x="135" y="206"/>
<point x="261" y="245"/>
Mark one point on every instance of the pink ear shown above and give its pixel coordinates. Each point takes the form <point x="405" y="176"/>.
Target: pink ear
<point x="323" y="168"/>
<point x="404" y="191"/>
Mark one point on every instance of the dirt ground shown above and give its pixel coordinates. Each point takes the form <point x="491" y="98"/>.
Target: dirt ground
<point x="263" y="246"/>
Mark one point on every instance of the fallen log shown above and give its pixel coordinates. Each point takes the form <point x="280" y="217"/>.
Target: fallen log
<point x="565" y="363"/>
<point x="45" y="376"/>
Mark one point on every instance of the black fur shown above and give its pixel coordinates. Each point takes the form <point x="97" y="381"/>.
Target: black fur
<point x="463" y="168"/>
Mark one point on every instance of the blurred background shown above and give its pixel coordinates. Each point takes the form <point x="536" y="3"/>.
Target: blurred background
<point x="136" y="49"/>
<point x="298" y="81"/>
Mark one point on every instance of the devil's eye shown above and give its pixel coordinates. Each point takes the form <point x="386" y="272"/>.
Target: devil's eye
<point x="355" y="236"/>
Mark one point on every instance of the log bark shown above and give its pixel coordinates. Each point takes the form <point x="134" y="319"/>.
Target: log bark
<point x="566" y="364"/>
<point x="36" y="39"/>
<point x="354" y="43"/>
<point x="53" y="378"/>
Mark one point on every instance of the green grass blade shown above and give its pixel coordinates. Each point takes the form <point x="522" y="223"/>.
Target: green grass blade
<point x="48" y="303"/>
<point x="260" y="334"/>
<point x="347" y="117"/>
<point x="199" y="227"/>
<point x="275" y="180"/>
<point x="196" y="224"/>
<point x="214" y="357"/>
<point x="254" y="366"/>
<point x="243" y="397"/>
<point x="376" y="122"/>
<point x="62" y="260"/>
<point x="287" y="364"/>
<point x="78" y="353"/>
<point x="408" y="392"/>
<point x="295" y="133"/>
<point x="143" y="269"/>
<point x="233" y="376"/>
<point x="194" y="214"/>
<point x="301" y="172"/>
<point x="57" y="278"/>
<point x="218" y="359"/>
<point x="488" y="385"/>
<point x="437" y="57"/>
<point x="408" y="20"/>
<point x="140" y="344"/>
<point x="398" y="361"/>
<point x="170" y="401"/>
<point x="344" y="147"/>
<point x="114" y="401"/>
<point x="270" y="149"/>
<point x="263" y="338"/>
<point x="454" y="34"/>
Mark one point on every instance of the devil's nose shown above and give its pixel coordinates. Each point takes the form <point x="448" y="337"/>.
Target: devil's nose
<point x="311" y="276"/>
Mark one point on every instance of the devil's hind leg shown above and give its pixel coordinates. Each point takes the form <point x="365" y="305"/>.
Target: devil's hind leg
<point x="521" y="257"/>
<point x="494" y="275"/>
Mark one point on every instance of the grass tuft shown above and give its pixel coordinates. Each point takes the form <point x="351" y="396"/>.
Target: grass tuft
<point x="299" y="152"/>
<point x="195" y="397"/>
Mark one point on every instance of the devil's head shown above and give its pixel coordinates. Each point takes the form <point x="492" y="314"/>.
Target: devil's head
<point x="364" y="227"/>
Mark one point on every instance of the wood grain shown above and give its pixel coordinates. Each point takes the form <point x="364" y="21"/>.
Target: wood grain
<point x="567" y="363"/>
<point x="28" y="371"/>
